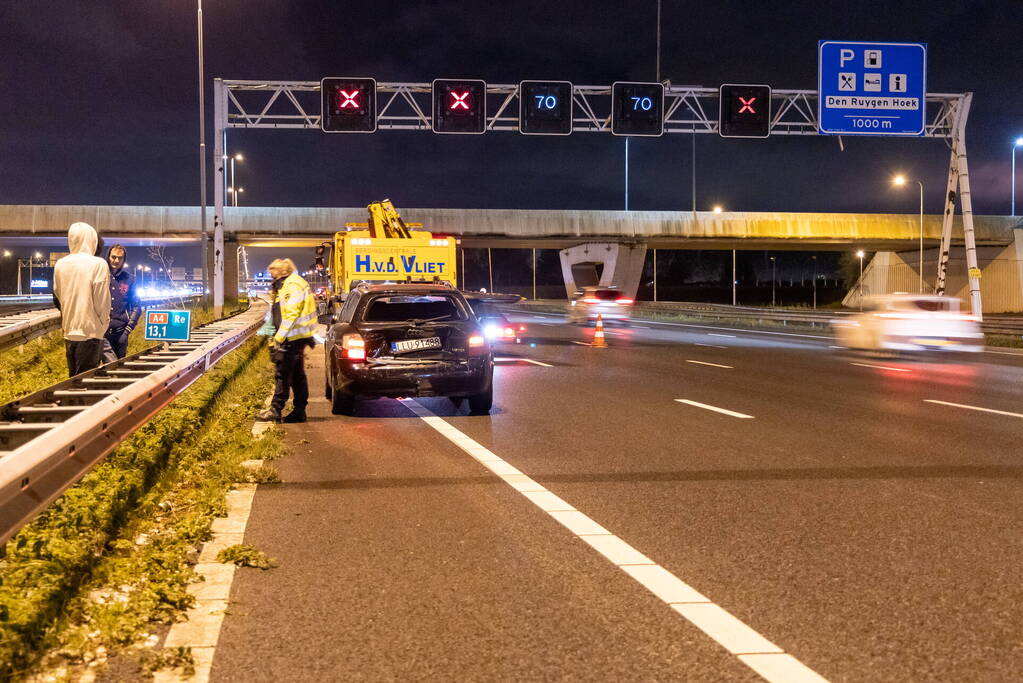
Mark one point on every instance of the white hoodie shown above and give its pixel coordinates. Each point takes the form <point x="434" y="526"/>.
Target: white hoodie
<point x="81" y="283"/>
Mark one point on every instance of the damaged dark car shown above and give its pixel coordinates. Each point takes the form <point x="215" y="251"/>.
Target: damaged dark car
<point x="407" y="340"/>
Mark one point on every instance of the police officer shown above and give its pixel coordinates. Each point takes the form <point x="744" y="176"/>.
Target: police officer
<point x="294" y="334"/>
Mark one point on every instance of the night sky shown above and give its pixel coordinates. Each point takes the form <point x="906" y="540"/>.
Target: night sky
<point x="99" y="101"/>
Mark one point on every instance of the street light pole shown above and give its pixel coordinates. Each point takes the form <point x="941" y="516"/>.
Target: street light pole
<point x="774" y="279"/>
<point x="921" y="235"/>
<point x="814" y="257"/>
<point x="202" y="159"/>
<point x="859" y="255"/>
<point x="1018" y="143"/>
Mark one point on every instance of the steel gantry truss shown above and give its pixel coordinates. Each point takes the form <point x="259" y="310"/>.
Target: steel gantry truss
<point x="689" y="110"/>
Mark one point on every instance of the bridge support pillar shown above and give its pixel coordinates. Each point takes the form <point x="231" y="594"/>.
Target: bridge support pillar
<point x="1001" y="270"/>
<point x="604" y="264"/>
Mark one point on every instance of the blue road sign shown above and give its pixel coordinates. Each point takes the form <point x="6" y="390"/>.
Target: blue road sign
<point x="871" y="88"/>
<point x="168" y="325"/>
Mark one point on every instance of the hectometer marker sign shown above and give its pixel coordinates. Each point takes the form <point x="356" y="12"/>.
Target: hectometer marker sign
<point x="871" y="88"/>
<point x="168" y="325"/>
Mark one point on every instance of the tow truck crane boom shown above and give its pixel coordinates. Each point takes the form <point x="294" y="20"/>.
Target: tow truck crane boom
<point x="385" y="221"/>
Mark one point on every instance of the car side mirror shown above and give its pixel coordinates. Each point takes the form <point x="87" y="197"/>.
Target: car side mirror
<point x="325" y="318"/>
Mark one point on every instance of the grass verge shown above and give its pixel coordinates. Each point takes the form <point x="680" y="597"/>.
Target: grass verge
<point x="100" y="569"/>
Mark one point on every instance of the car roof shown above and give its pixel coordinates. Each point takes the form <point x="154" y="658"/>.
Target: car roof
<point x="407" y="288"/>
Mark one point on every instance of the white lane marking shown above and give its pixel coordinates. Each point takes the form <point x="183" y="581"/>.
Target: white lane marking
<point x="715" y="365"/>
<point x="881" y="367"/>
<point x="751" y="648"/>
<point x="582" y="343"/>
<point x="723" y="411"/>
<point x="737" y="637"/>
<point x="712" y="346"/>
<point x="983" y="410"/>
<point x="524" y="360"/>
<point x="201" y="630"/>
<point x="712" y="334"/>
<point x="1004" y="353"/>
<point x="836" y="347"/>
<point x="733" y="329"/>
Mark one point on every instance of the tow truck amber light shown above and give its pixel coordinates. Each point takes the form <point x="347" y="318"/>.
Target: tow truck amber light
<point x="353" y="347"/>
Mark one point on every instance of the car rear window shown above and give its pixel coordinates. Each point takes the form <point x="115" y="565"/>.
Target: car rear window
<point x="607" y="294"/>
<point x="383" y="309"/>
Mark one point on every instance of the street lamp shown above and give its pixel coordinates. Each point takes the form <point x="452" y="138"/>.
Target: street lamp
<point x="859" y="255"/>
<point x="1018" y="143"/>
<point x="717" y="208"/>
<point x="234" y="195"/>
<point x="773" y="280"/>
<point x="901" y="180"/>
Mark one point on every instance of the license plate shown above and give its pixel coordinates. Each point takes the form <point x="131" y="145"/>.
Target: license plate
<point x="407" y="345"/>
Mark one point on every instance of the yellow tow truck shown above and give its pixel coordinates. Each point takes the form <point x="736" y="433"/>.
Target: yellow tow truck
<point x="387" y="249"/>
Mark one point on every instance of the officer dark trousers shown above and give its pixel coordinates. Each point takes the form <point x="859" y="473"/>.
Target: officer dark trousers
<point x="289" y="376"/>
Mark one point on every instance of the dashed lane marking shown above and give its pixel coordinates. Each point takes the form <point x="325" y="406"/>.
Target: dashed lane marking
<point x="711" y="346"/>
<point x="723" y="411"/>
<point x="983" y="410"/>
<point x="881" y="367"/>
<point x="713" y="334"/>
<point x="713" y="365"/>
<point x="581" y="343"/>
<point x="523" y="360"/>
<point x="751" y="648"/>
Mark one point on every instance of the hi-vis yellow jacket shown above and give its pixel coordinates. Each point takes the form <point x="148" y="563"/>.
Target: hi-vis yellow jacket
<point x="298" y="310"/>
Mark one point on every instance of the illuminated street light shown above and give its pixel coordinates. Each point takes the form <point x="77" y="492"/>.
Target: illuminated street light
<point x="901" y="180"/>
<point x="7" y="253"/>
<point x="717" y="208"/>
<point x="1018" y="143"/>
<point x="235" y="157"/>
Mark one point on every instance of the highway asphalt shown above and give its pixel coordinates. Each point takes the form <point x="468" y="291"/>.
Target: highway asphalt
<point x="861" y="514"/>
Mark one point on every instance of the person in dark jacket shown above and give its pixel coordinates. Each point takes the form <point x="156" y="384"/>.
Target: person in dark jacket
<point x="125" y="306"/>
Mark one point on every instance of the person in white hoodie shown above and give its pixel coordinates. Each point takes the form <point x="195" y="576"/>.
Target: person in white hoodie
<point x="81" y="290"/>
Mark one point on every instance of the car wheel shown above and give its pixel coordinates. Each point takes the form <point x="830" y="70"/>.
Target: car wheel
<point x="480" y="404"/>
<point x="342" y="402"/>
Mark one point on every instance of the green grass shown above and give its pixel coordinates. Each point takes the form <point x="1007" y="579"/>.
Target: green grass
<point x="109" y="561"/>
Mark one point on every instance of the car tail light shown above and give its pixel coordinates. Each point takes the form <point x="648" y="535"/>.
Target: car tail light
<point x="625" y="302"/>
<point x="522" y="328"/>
<point x="353" y="347"/>
<point x="591" y="300"/>
<point x="477" y="344"/>
<point x="509" y="332"/>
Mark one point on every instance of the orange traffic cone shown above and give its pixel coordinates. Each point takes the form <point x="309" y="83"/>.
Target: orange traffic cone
<point x="598" y="335"/>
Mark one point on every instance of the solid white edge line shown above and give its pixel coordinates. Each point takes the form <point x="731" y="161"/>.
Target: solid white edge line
<point x="723" y="411"/>
<point x="201" y="630"/>
<point x="983" y="410"/>
<point x="881" y="367"/>
<point x="711" y="334"/>
<point x="747" y="645"/>
<point x="716" y="365"/>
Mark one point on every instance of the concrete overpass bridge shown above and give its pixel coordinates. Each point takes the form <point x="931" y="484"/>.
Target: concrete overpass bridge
<point x="616" y="241"/>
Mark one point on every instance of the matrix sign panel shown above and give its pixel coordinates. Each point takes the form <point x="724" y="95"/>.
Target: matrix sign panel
<point x="637" y="108"/>
<point x="168" y="325"/>
<point x="459" y="106"/>
<point x="348" y="105"/>
<point x="745" y="111"/>
<point x="545" y="108"/>
<point x="871" y="88"/>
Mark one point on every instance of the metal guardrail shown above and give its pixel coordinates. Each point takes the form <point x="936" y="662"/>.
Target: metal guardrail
<point x="18" y="328"/>
<point x="50" y="439"/>
<point x="992" y="324"/>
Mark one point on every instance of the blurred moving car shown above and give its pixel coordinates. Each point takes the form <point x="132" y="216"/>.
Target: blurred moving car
<point x="611" y="304"/>
<point x="496" y="326"/>
<point x="407" y="340"/>
<point x="910" y="322"/>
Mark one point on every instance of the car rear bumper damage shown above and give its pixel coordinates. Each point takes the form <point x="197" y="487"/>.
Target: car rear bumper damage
<point x="398" y="377"/>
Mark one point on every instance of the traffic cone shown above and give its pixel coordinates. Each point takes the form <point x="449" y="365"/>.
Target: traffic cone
<point x="598" y="335"/>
